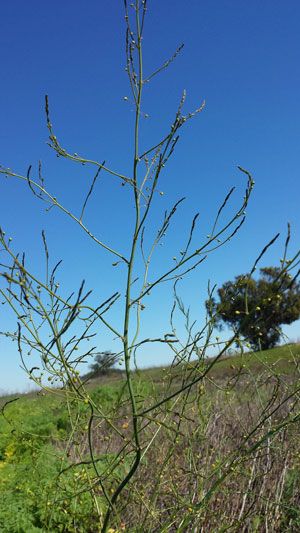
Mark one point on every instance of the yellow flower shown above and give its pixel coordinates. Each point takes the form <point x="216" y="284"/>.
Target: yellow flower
<point x="9" y="452"/>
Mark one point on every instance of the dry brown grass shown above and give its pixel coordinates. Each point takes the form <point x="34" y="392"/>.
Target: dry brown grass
<point x="223" y="457"/>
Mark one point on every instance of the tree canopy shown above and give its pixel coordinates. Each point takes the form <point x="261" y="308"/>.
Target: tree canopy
<point x="256" y="308"/>
<point x="103" y="363"/>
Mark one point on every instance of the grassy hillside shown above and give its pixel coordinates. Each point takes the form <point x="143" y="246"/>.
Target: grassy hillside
<point x="283" y="359"/>
<point x="45" y="476"/>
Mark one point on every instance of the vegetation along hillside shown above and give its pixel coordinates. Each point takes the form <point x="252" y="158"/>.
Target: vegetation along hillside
<point x="248" y="402"/>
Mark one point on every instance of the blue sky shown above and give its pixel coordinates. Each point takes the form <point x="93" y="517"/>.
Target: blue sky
<point x="241" y="57"/>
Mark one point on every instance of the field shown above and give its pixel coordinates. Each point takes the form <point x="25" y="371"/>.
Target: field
<point x="224" y="456"/>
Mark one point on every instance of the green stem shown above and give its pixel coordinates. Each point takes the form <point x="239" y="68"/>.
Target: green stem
<point x="126" y="345"/>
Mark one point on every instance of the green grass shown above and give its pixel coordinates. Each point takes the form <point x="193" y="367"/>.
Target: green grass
<point x="283" y="359"/>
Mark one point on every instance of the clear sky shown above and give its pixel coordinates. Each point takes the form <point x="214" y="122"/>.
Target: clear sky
<point x="242" y="57"/>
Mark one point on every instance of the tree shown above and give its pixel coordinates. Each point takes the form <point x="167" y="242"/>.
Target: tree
<point x="103" y="363"/>
<point x="256" y="308"/>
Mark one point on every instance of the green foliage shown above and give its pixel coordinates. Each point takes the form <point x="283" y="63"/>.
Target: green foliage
<point x="291" y="510"/>
<point x="34" y="498"/>
<point x="36" y="493"/>
<point x="256" y="308"/>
